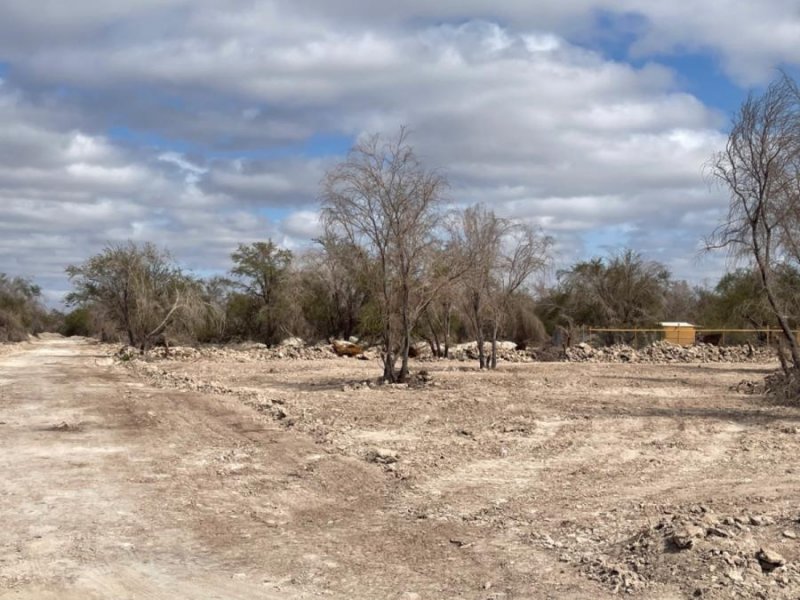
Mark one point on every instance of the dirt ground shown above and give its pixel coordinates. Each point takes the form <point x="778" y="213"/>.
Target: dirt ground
<point x="542" y="480"/>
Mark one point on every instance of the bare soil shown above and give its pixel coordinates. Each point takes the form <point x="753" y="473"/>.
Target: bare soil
<point x="541" y="480"/>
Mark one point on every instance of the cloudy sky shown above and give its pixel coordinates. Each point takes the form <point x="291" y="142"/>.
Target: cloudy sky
<point x="199" y="124"/>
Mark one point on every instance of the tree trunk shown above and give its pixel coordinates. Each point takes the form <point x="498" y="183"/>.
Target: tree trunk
<point x="494" y="346"/>
<point x="436" y="347"/>
<point x="763" y="268"/>
<point x="405" y="307"/>
<point x="481" y="354"/>
<point x="476" y="316"/>
<point x="389" y="376"/>
<point x="447" y="310"/>
<point x="403" y="376"/>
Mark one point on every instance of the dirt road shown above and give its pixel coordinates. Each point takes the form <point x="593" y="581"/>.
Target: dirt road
<point x="97" y="496"/>
<point x="538" y="481"/>
<point x="116" y="490"/>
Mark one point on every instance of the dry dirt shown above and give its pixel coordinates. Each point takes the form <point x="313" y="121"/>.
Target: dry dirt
<point x="294" y="480"/>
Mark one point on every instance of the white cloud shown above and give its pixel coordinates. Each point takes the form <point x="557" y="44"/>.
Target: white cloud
<point x="518" y="115"/>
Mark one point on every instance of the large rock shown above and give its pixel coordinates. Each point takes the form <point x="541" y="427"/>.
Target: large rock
<point x="769" y="559"/>
<point x="343" y="348"/>
<point x="686" y="537"/>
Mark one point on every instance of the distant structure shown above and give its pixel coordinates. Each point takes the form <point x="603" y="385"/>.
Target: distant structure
<point x="677" y="332"/>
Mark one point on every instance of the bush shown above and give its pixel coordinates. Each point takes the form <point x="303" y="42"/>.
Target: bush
<point x="77" y="323"/>
<point x="11" y="328"/>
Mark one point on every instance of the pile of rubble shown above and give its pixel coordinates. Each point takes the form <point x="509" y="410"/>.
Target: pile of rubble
<point x="506" y="351"/>
<point x="664" y="352"/>
<point x="744" y="555"/>
<point x="294" y="348"/>
<point x="707" y="555"/>
<point x="184" y="382"/>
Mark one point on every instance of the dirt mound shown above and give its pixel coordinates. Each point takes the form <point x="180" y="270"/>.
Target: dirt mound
<point x="664" y="352"/>
<point x="711" y="555"/>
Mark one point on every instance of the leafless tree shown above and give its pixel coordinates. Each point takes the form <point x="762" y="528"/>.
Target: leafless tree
<point x="504" y="254"/>
<point x="760" y="167"/>
<point x="480" y="232"/>
<point x="523" y="251"/>
<point x="385" y="202"/>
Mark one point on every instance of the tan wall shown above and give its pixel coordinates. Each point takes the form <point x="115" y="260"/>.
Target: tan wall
<point x="683" y="336"/>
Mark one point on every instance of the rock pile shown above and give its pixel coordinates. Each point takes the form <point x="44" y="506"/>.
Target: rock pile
<point x="239" y="352"/>
<point x="184" y="382"/>
<point x="742" y="555"/>
<point x="506" y="351"/>
<point x="296" y="349"/>
<point x="664" y="352"/>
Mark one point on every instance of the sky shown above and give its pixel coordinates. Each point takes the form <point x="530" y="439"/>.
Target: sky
<point x="201" y="124"/>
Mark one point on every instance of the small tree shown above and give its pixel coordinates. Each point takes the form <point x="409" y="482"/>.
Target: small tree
<point x="623" y="290"/>
<point x="523" y="251"/>
<point x="138" y="288"/>
<point x="503" y="255"/>
<point x="480" y="234"/>
<point x="334" y="287"/>
<point x="261" y="270"/>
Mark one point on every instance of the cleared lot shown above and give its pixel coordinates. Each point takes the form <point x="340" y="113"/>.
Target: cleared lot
<point x="536" y="481"/>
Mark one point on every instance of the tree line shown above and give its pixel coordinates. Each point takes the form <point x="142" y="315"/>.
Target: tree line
<point x="137" y="294"/>
<point x="396" y="264"/>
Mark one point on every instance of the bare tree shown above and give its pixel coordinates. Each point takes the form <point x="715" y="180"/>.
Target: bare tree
<point x="504" y="254"/>
<point x="480" y="232"/>
<point x="523" y="251"/>
<point x="385" y="202"/>
<point x="760" y="167"/>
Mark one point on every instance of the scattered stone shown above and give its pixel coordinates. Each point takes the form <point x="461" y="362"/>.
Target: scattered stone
<point x="686" y="537"/>
<point x="719" y="532"/>
<point x="769" y="559"/>
<point x="735" y="575"/>
<point x="424" y="377"/>
<point x="292" y="342"/>
<point x="382" y="456"/>
<point x="790" y="534"/>
<point x="64" y="427"/>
